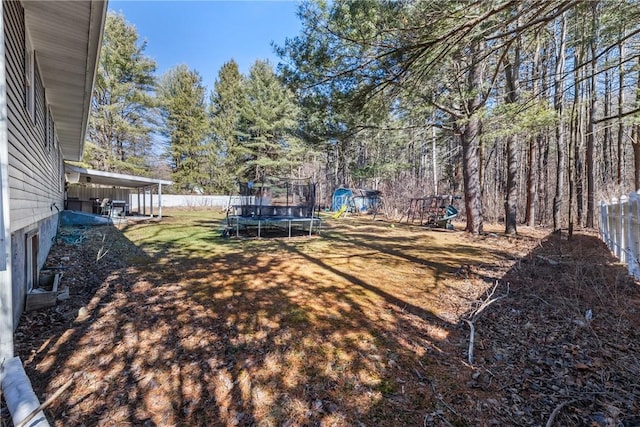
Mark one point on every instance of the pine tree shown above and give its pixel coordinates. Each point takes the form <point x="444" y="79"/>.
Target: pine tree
<point x="226" y="100"/>
<point x="185" y="125"/>
<point x="267" y="142"/>
<point x="122" y="113"/>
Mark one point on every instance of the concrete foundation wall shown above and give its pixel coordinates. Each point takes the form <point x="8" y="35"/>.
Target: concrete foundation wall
<point x="46" y="230"/>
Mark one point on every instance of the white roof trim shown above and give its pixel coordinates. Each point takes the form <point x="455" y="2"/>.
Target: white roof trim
<point x="67" y="37"/>
<point x="111" y="178"/>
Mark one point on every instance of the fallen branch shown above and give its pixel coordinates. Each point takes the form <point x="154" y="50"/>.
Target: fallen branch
<point x="548" y="260"/>
<point x="489" y="300"/>
<point x="446" y="405"/>
<point x="476" y="313"/>
<point x="472" y="339"/>
<point x="101" y="254"/>
<point x="556" y="411"/>
<point x="438" y="395"/>
<point x="437" y="414"/>
<point x="46" y="403"/>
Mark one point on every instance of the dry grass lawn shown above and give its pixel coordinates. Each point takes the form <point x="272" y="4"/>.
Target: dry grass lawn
<point x="169" y="324"/>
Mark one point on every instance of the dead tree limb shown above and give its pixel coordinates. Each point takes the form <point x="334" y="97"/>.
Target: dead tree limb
<point x="489" y="299"/>
<point x="472" y="339"/>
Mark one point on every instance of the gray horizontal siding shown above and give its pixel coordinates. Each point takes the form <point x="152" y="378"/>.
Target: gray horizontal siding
<point x="34" y="176"/>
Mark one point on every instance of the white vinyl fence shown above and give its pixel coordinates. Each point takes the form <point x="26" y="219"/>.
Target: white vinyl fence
<point x="185" y="201"/>
<point x="620" y="230"/>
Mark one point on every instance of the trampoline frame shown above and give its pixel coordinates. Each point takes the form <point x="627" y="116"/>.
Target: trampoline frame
<point x="253" y="214"/>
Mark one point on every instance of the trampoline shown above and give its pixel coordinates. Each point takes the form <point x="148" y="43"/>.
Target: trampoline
<point x="274" y="207"/>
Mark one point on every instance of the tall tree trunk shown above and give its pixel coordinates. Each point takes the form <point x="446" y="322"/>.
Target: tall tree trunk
<point x="511" y="199"/>
<point x="636" y="141"/>
<point x="543" y="188"/>
<point x="471" y="173"/>
<point x="120" y="150"/>
<point x="558" y="100"/>
<point x="434" y="157"/>
<point x="607" y="140"/>
<point x="573" y="153"/>
<point x="532" y="179"/>
<point x="620" y="110"/>
<point x="577" y="143"/>
<point x="591" y="123"/>
<point x="511" y="71"/>
<point x="470" y="140"/>
<point x="534" y="143"/>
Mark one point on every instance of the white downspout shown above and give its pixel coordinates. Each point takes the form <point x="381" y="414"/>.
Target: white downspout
<point x="19" y="395"/>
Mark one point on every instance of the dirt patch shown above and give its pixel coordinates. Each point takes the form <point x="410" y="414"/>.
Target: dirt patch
<point x="170" y="324"/>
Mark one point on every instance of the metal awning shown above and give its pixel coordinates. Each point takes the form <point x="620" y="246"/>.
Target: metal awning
<point x="76" y="174"/>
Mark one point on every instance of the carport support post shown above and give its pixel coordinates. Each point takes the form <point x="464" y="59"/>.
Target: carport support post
<point x="151" y="201"/>
<point x="160" y="201"/>
<point x="139" y="206"/>
<point x="144" y="201"/>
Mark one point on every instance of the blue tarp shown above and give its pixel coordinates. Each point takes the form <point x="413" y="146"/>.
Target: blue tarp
<point x="359" y="201"/>
<point x="367" y="201"/>
<point x="82" y="218"/>
<point x="342" y="196"/>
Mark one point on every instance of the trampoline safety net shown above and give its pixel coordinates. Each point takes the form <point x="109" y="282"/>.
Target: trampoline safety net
<point x="275" y="204"/>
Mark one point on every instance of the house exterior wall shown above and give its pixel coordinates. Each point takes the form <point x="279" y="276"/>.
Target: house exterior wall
<point x="6" y="291"/>
<point x="35" y="168"/>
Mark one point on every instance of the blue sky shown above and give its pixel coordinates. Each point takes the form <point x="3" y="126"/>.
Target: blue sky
<point x="206" y="34"/>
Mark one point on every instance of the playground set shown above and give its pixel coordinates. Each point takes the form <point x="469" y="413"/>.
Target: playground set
<point x="274" y="207"/>
<point x="433" y="211"/>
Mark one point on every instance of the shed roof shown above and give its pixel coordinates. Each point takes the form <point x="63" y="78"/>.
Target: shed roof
<point x="78" y="174"/>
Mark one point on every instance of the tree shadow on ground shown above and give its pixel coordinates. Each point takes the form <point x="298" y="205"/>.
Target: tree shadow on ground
<point x="354" y="328"/>
<point x="564" y="341"/>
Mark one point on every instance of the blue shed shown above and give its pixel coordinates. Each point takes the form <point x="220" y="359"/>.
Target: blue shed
<point x="342" y="196"/>
<point x="367" y="201"/>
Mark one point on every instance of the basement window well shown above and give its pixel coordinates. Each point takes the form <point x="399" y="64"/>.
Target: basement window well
<point x="31" y="259"/>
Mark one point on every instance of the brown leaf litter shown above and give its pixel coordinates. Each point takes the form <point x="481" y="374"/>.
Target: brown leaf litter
<point x="361" y="326"/>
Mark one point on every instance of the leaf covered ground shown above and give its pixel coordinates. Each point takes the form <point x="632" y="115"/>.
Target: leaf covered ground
<point x="170" y="324"/>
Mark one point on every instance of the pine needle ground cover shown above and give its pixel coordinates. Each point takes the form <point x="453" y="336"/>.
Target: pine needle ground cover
<point x="170" y="324"/>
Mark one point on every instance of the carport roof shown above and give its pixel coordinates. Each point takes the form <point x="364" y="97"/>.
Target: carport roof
<point x="82" y="175"/>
